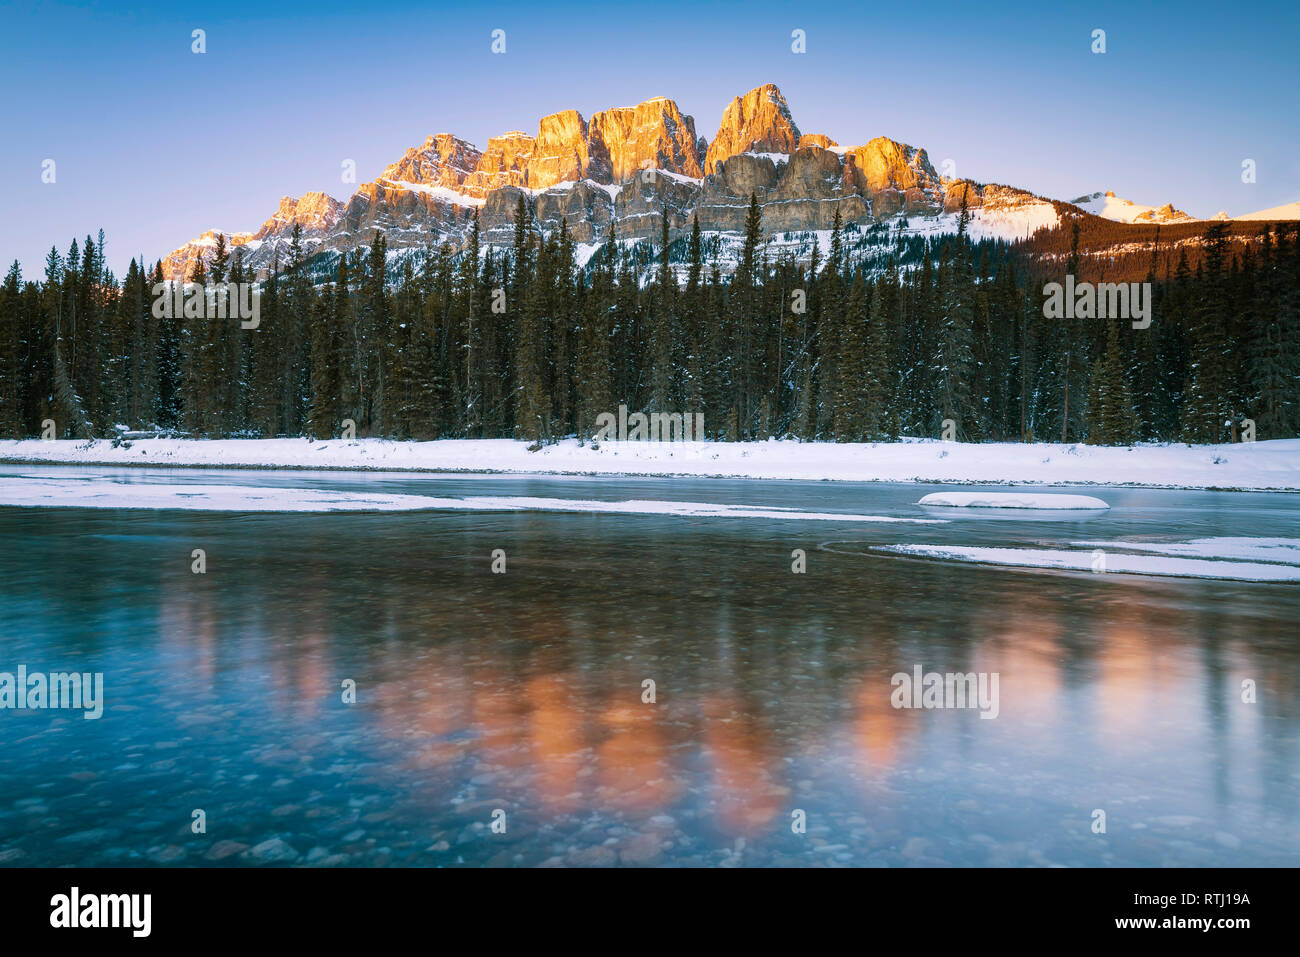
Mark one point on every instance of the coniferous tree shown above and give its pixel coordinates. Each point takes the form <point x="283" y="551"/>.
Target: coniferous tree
<point x="193" y="325"/>
<point x="663" y="334"/>
<point x="1209" y="400"/>
<point x="850" y="365"/>
<point x="743" y="324"/>
<point x="563" y="303"/>
<point x="594" y="375"/>
<point x="1112" y="420"/>
<point x="10" y="352"/>
<point x="877" y="418"/>
<point x="692" y="330"/>
<point x="1073" y="352"/>
<point x="327" y="356"/>
<point x="532" y="399"/>
<point x="954" y="361"/>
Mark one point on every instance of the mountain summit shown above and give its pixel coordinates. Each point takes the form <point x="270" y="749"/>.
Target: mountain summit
<point x="629" y="166"/>
<point x="758" y="122"/>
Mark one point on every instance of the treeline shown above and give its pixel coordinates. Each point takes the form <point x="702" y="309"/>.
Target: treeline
<point x="1112" y="251"/>
<point x="526" y="342"/>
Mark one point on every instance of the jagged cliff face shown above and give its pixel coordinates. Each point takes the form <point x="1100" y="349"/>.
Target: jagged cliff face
<point x="898" y="177"/>
<point x="651" y="135"/>
<point x="317" y="214"/>
<point x="626" y="166"/>
<point x="503" y="163"/>
<point x="758" y="122"/>
<point x="443" y="160"/>
<point x="561" y="152"/>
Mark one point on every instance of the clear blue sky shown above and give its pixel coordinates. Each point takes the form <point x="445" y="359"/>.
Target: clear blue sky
<point x="155" y="144"/>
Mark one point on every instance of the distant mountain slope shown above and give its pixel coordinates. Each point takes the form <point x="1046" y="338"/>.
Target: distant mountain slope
<point x="1109" y="206"/>
<point x="1285" y="212"/>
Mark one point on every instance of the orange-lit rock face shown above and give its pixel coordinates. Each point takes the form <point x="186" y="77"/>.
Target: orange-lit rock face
<point x="503" y="163"/>
<point x="180" y="263"/>
<point x="898" y="177"/>
<point x="443" y="160"/>
<point x="803" y="192"/>
<point x="886" y="164"/>
<point x="759" y="122"/>
<point x="653" y="134"/>
<point x="816" y="139"/>
<point x="561" y="152"/>
<point x="314" y="212"/>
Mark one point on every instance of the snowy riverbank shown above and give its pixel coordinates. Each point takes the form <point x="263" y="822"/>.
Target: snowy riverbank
<point x="1273" y="465"/>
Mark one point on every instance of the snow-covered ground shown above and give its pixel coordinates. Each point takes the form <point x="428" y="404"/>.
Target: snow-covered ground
<point x="1221" y="558"/>
<point x="1272" y="465"/>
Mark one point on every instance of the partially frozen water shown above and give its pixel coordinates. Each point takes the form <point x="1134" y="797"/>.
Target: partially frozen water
<point x="523" y="691"/>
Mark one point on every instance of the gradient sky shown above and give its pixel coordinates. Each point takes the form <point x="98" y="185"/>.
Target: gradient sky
<point x="155" y="144"/>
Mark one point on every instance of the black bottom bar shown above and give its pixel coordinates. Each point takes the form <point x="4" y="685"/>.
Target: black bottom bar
<point x="333" y="907"/>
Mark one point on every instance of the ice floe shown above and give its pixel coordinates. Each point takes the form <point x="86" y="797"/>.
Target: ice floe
<point x="25" y="492"/>
<point x="1286" y="550"/>
<point x="1012" y="500"/>
<point x="1104" y="560"/>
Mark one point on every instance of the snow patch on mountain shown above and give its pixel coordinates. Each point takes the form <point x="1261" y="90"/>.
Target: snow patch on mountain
<point x="437" y="192"/>
<point x="1286" y="211"/>
<point x="1117" y="209"/>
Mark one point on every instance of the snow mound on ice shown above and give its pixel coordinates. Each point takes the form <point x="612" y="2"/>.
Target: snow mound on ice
<point x="1012" y="500"/>
<point x="1103" y="562"/>
<point x="1283" y="550"/>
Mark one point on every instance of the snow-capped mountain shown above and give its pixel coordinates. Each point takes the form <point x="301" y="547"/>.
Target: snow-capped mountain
<point x="1284" y="212"/>
<point x="627" y="167"/>
<point x="316" y="213"/>
<point x="1109" y="206"/>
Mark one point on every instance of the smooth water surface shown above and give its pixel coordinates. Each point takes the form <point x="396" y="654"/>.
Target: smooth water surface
<point x="523" y="691"/>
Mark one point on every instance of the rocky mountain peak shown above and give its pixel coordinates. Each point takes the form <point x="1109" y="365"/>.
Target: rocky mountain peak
<point x="654" y="134"/>
<point x="758" y="122"/>
<point x="503" y="163"/>
<point x="899" y="176"/>
<point x="584" y="173"/>
<point x="443" y="160"/>
<point x="561" y="151"/>
<point x="313" y="211"/>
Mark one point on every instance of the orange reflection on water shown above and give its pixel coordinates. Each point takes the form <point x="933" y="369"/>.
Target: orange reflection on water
<point x="880" y="730"/>
<point x="1024" y="649"/>
<point x="633" y="765"/>
<point x="748" y="797"/>
<point x="555" y="725"/>
<point x="1137" y="666"/>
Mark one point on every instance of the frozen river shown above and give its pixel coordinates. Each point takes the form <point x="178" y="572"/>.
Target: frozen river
<point x="519" y="697"/>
